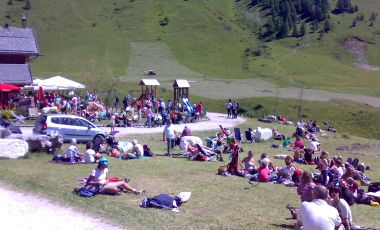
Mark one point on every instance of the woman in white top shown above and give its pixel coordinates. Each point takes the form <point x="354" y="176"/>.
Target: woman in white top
<point x="99" y="176"/>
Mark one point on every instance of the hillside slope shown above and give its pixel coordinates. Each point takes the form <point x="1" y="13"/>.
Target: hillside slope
<point x="93" y="39"/>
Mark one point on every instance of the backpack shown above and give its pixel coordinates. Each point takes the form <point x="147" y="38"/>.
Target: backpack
<point x="348" y="196"/>
<point x="374" y="187"/>
<point x="232" y="167"/>
<point x="87" y="191"/>
<point x="148" y="152"/>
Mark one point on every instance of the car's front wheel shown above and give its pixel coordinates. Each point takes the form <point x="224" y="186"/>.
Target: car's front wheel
<point x="98" y="139"/>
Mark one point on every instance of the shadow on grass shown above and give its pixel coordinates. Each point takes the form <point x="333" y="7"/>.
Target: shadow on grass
<point x="288" y="226"/>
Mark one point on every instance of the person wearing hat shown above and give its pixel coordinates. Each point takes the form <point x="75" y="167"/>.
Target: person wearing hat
<point x="99" y="176"/>
<point x="136" y="152"/>
<point x="72" y="152"/>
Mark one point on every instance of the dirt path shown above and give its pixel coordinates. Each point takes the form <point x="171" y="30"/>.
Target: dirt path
<point x="19" y="210"/>
<point x="215" y="119"/>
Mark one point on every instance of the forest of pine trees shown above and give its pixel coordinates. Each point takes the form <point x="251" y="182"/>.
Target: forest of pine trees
<point x="287" y="17"/>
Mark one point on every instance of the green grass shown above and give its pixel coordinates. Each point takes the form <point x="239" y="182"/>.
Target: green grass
<point x="92" y="40"/>
<point x="217" y="202"/>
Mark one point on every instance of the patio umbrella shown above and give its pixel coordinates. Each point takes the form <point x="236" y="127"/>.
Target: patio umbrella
<point x="40" y="94"/>
<point x="9" y="88"/>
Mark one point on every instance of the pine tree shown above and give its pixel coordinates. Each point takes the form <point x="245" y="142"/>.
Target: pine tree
<point x="353" y="23"/>
<point x="344" y="6"/>
<point x="321" y="36"/>
<point x="27" y="5"/>
<point x="295" y="31"/>
<point x="327" y="26"/>
<point x="314" y="26"/>
<point x="303" y="29"/>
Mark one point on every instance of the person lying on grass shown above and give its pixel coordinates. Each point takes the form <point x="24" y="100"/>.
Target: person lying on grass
<point x="99" y="176"/>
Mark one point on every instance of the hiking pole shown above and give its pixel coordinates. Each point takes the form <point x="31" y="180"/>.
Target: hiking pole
<point x="252" y="184"/>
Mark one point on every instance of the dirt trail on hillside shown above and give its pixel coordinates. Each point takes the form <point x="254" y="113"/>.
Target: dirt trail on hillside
<point x="358" y="47"/>
<point x="249" y="88"/>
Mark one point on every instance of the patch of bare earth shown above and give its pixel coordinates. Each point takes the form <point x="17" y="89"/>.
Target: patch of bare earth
<point x="358" y="47"/>
<point x="20" y="210"/>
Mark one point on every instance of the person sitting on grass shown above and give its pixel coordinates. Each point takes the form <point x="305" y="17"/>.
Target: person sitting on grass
<point x="136" y="152"/>
<point x="318" y="214"/>
<point x="90" y="156"/>
<point x="99" y="177"/>
<point x="264" y="172"/>
<point x="72" y="152"/>
<point x="354" y="174"/>
<point x="249" y="164"/>
<point x="305" y="188"/>
<point x="342" y="206"/>
<point x="287" y="171"/>
<point x="286" y="143"/>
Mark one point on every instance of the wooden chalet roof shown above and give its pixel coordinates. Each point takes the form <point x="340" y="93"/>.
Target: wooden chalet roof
<point x="149" y="82"/>
<point x="18" y="41"/>
<point x="15" y="74"/>
<point x="179" y="83"/>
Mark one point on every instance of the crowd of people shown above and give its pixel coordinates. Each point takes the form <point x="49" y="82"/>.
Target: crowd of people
<point x="325" y="195"/>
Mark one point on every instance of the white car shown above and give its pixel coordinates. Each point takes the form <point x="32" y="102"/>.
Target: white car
<point x="69" y="126"/>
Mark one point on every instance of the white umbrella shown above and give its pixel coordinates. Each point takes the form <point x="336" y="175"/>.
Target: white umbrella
<point x="61" y="83"/>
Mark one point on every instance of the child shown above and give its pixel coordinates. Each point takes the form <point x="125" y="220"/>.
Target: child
<point x="323" y="166"/>
<point x="113" y="122"/>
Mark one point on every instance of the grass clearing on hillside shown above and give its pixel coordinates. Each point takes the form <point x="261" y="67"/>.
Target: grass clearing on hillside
<point x="216" y="202"/>
<point x="157" y="56"/>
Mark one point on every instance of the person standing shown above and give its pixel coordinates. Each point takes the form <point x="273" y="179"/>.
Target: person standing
<point x="169" y="136"/>
<point x="229" y="108"/>
<point x="200" y="110"/>
<point x="318" y="214"/>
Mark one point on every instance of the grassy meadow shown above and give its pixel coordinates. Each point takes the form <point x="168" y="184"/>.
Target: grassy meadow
<point x="217" y="202"/>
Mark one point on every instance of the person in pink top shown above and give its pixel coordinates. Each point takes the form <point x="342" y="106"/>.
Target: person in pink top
<point x="264" y="172"/>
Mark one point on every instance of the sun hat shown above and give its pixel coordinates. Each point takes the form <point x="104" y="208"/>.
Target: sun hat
<point x="73" y="141"/>
<point x="134" y="142"/>
<point x="103" y="161"/>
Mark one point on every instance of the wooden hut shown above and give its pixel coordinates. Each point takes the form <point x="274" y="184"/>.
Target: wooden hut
<point x="180" y="90"/>
<point x="17" y="47"/>
<point x="147" y="87"/>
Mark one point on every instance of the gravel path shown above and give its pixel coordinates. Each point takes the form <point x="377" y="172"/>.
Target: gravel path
<point x="215" y="119"/>
<point x="19" y="210"/>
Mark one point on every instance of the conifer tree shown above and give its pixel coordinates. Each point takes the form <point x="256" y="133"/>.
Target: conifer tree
<point x="303" y="29"/>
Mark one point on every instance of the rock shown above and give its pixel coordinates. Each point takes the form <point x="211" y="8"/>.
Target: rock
<point x="40" y="143"/>
<point x="13" y="148"/>
<point x="4" y="132"/>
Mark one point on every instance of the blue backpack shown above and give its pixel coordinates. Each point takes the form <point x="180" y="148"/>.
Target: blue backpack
<point x="87" y="191"/>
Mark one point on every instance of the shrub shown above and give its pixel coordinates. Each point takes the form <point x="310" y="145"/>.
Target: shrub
<point x="27" y="5"/>
<point x="164" y="21"/>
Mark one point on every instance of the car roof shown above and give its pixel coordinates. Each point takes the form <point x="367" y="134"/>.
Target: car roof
<point x="60" y="115"/>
